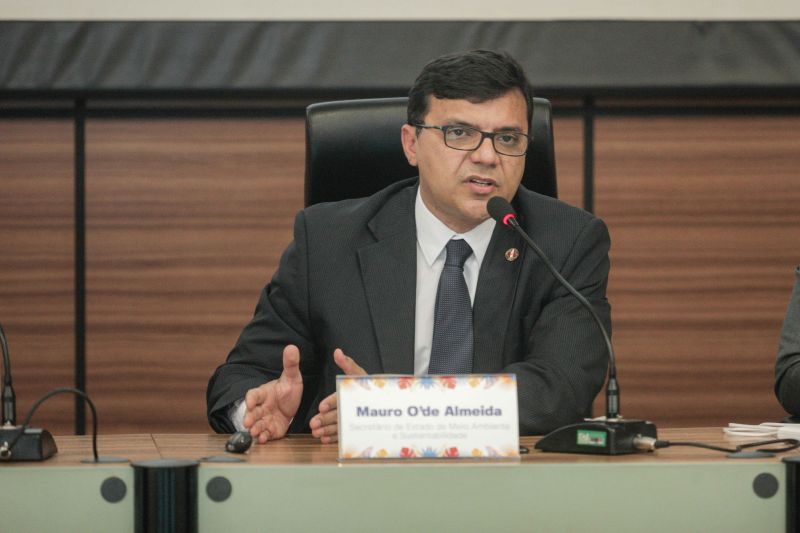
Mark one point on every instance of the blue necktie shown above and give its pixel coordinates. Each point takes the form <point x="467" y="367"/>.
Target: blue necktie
<point x="451" y="349"/>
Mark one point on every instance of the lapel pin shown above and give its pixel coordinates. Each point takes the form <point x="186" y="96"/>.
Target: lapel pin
<point x="512" y="254"/>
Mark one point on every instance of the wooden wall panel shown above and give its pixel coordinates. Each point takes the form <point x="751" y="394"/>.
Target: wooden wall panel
<point x="186" y="222"/>
<point x="705" y="227"/>
<point x="187" y="218"/>
<point x="36" y="264"/>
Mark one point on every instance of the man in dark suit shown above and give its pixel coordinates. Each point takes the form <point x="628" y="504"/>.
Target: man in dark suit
<point x="787" y="369"/>
<point x="356" y="290"/>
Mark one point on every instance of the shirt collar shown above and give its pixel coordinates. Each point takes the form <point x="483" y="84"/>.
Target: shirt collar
<point x="433" y="234"/>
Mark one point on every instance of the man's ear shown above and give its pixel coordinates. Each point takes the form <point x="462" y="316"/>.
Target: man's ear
<point x="408" y="136"/>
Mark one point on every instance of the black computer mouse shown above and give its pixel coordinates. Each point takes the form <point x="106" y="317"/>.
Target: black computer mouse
<point x="239" y="442"/>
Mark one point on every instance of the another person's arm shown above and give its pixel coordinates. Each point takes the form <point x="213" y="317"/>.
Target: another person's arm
<point x="787" y="369"/>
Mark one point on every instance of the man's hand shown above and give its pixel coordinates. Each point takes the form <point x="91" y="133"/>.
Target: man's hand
<point x="325" y="426"/>
<point x="271" y="407"/>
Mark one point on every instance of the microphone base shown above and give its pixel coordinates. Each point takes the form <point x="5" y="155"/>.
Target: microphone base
<point x="598" y="437"/>
<point x="34" y="445"/>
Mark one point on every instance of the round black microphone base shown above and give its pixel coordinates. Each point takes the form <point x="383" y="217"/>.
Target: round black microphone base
<point x="34" y="445"/>
<point x="599" y="437"/>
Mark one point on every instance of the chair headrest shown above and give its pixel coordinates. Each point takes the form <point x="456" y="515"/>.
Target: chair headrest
<point x="353" y="149"/>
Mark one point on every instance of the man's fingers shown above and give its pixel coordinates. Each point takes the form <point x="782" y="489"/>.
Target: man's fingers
<point x="328" y="404"/>
<point x="291" y="364"/>
<point x="325" y="425"/>
<point x="326" y="422"/>
<point x="347" y="364"/>
<point x="263" y="437"/>
<point x="325" y="419"/>
<point x="258" y="401"/>
<point x="326" y="432"/>
<point x="255" y="397"/>
<point x="320" y="427"/>
<point x="260" y="431"/>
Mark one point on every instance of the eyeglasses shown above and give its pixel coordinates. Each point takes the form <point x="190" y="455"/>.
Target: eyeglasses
<point x="464" y="138"/>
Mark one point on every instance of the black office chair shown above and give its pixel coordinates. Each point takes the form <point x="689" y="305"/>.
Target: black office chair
<point x="353" y="149"/>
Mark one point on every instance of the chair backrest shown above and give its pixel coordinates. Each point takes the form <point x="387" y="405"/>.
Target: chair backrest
<point x="353" y="149"/>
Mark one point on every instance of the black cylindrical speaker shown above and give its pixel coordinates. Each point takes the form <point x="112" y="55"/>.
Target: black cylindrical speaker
<point x="166" y="496"/>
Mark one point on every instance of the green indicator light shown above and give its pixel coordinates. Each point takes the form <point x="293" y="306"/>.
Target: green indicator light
<point x="588" y="437"/>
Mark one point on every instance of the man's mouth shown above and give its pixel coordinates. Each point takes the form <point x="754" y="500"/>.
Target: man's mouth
<point x="482" y="182"/>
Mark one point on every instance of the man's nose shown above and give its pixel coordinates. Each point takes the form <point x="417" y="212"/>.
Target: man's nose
<point x="485" y="152"/>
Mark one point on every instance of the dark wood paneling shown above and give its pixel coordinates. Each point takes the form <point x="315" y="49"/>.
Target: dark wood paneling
<point x="36" y="264"/>
<point x="186" y="222"/>
<point x="187" y="218"/>
<point x="705" y="227"/>
<point x="568" y="135"/>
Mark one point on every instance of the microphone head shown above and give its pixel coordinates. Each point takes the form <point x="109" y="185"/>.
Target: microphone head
<point x="239" y="442"/>
<point x="500" y="210"/>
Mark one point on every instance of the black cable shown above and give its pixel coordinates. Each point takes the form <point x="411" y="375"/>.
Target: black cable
<point x="47" y="396"/>
<point x="791" y="445"/>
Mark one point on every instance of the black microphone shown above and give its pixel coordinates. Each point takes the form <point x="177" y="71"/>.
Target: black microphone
<point x="9" y="398"/>
<point x="239" y="442"/>
<point x="19" y="443"/>
<point x="612" y="436"/>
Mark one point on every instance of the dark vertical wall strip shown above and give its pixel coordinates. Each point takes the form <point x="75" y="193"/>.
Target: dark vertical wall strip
<point x="80" y="263"/>
<point x="588" y="154"/>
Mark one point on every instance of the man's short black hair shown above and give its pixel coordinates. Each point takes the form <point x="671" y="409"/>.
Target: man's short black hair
<point x="477" y="76"/>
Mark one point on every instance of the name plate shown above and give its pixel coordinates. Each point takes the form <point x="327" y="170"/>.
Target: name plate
<point x="392" y="416"/>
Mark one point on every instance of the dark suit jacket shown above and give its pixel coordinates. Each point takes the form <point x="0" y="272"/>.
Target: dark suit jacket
<point x="787" y="371"/>
<point x="348" y="280"/>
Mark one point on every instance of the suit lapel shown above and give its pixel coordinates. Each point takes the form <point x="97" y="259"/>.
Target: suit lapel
<point x="494" y="298"/>
<point x="389" y="273"/>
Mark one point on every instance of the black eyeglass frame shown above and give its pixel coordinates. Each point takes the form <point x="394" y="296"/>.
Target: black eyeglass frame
<point x="484" y="134"/>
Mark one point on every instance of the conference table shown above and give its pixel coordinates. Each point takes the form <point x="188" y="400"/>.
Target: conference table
<point x="298" y="484"/>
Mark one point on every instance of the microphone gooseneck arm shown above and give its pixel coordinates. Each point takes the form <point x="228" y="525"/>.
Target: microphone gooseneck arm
<point x="501" y="211"/>
<point x="9" y="398"/>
